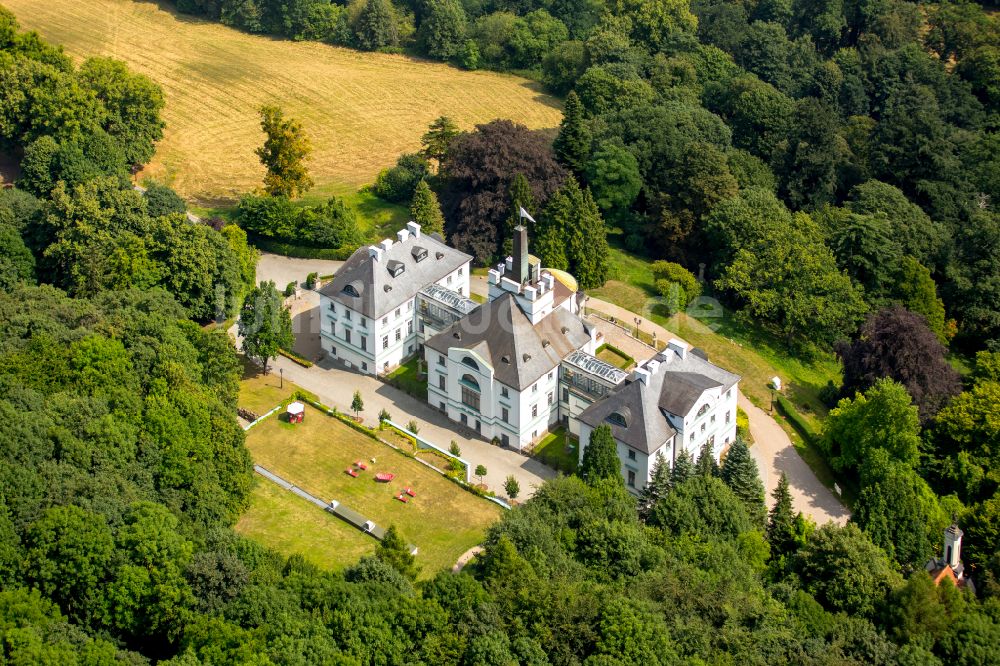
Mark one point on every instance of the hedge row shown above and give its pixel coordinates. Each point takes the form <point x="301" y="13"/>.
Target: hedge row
<point x="804" y="429"/>
<point x="304" y="362"/>
<point x="610" y="347"/>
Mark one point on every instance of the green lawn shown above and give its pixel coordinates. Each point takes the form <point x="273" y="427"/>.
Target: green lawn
<point x="615" y="357"/>
<point x="290" y="525"/>
<point x="443" y="520"/>
<point x="558" y="450"/>
<point x="408" y="378"/>
<point x="260" y="392"/>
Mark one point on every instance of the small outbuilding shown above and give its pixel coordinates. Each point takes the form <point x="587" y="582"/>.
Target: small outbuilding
<point x="296" y="411"/>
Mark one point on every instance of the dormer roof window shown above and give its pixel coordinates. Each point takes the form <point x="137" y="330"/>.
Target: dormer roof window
<point x="395" y="268"/>
<point x="419" y="253"/>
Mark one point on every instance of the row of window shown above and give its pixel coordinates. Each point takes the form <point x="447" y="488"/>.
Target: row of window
<point x="399" y="334"/>
<point x="347" y="337"/>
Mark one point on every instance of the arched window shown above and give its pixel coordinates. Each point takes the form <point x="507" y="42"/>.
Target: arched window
<point x="701" y="412"/>
<point x="468" y="360"/>
<point x="470" y="392"/>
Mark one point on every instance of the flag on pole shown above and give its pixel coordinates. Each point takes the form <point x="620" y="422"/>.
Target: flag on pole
<point x="526" y="215"/>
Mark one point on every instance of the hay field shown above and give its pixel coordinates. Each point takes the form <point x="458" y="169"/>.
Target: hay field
<point x="361" y="110"/>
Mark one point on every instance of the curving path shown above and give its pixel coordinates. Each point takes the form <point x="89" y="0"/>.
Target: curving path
<point x="465" y="558"/>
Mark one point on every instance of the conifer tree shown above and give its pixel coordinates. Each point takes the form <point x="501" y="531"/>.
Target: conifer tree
<point x="520" y="197"/>
<point x="739" y="472"/>
<point x="658" y="486"/>
<point x="394" y="552"/>
<point x="438" y="138"/>
<point x="600" y="458"/>
<point x="706" y="466"/>
<point x="572" y="145"/>
<point x="425" y="209"/>
<point x="781" y="530"/>
<point x="573" y="236"/>
<point x="683" y="469"/>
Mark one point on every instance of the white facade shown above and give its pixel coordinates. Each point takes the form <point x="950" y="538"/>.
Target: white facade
<point x="676" y="377"/>
<point x="377" y="343"/>
<point x="488" y="406"/>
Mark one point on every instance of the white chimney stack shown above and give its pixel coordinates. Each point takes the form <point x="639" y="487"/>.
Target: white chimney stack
<point x="375" y="252"/>
<point x="413" y="228"/>
<point x="386" y="244"/>
<point x="402" y="235"/>
<point x="677" y="347"/>
<point x="642" y="375"/>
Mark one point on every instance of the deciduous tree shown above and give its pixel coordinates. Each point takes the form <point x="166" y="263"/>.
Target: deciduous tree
<point x="264" y="324"/>
<point x="898" y="344"/>
<point x="883" y="417"/>
<point x="284" y="152"/>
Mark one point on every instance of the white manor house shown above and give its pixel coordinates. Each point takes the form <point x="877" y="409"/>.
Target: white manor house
<point x="523" y="362"/>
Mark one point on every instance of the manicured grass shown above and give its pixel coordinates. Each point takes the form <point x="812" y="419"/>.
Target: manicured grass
<point x="290" y="525"/>
<point x="443" y="520"/>
<point x="615" y="357"/>
<point x="558" y="450"/>
<point x="407" y="378"/>
<point x="360" y="110"/>
<point x="260" y="392"/>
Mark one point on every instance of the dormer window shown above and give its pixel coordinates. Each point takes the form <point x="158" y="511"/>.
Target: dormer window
<point x="470" y="362"/>
<point x="617" y="419"/>
<point x="419" y="253"/>
<point x="351" y="290"/>
<point x="395" y="268"/>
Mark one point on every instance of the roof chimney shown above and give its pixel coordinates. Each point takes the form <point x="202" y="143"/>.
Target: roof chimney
<point x="402" y="235"/>
<point x="386" y="244"/>
<point x="642" y="375"/>
<point x="375" y="252"/>
<point x="413" y="228"/>
<point x="678" y="347"/>
<point x="521" y="253"/>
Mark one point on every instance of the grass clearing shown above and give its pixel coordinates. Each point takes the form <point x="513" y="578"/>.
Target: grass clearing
<point x="290" y="525"/>
<point x="259" y="392"/>
<point x="442" y="520"/>
<point x="559" y="450"/>
<point x="360" y="110"/>
<point x="408" y="378"/>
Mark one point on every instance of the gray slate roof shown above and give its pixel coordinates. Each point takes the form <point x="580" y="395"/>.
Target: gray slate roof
<point x="647" y="429"/>
<point x="519" y="352"/>
<point x="379" y="291"/>
<point x="673" y="388"/>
